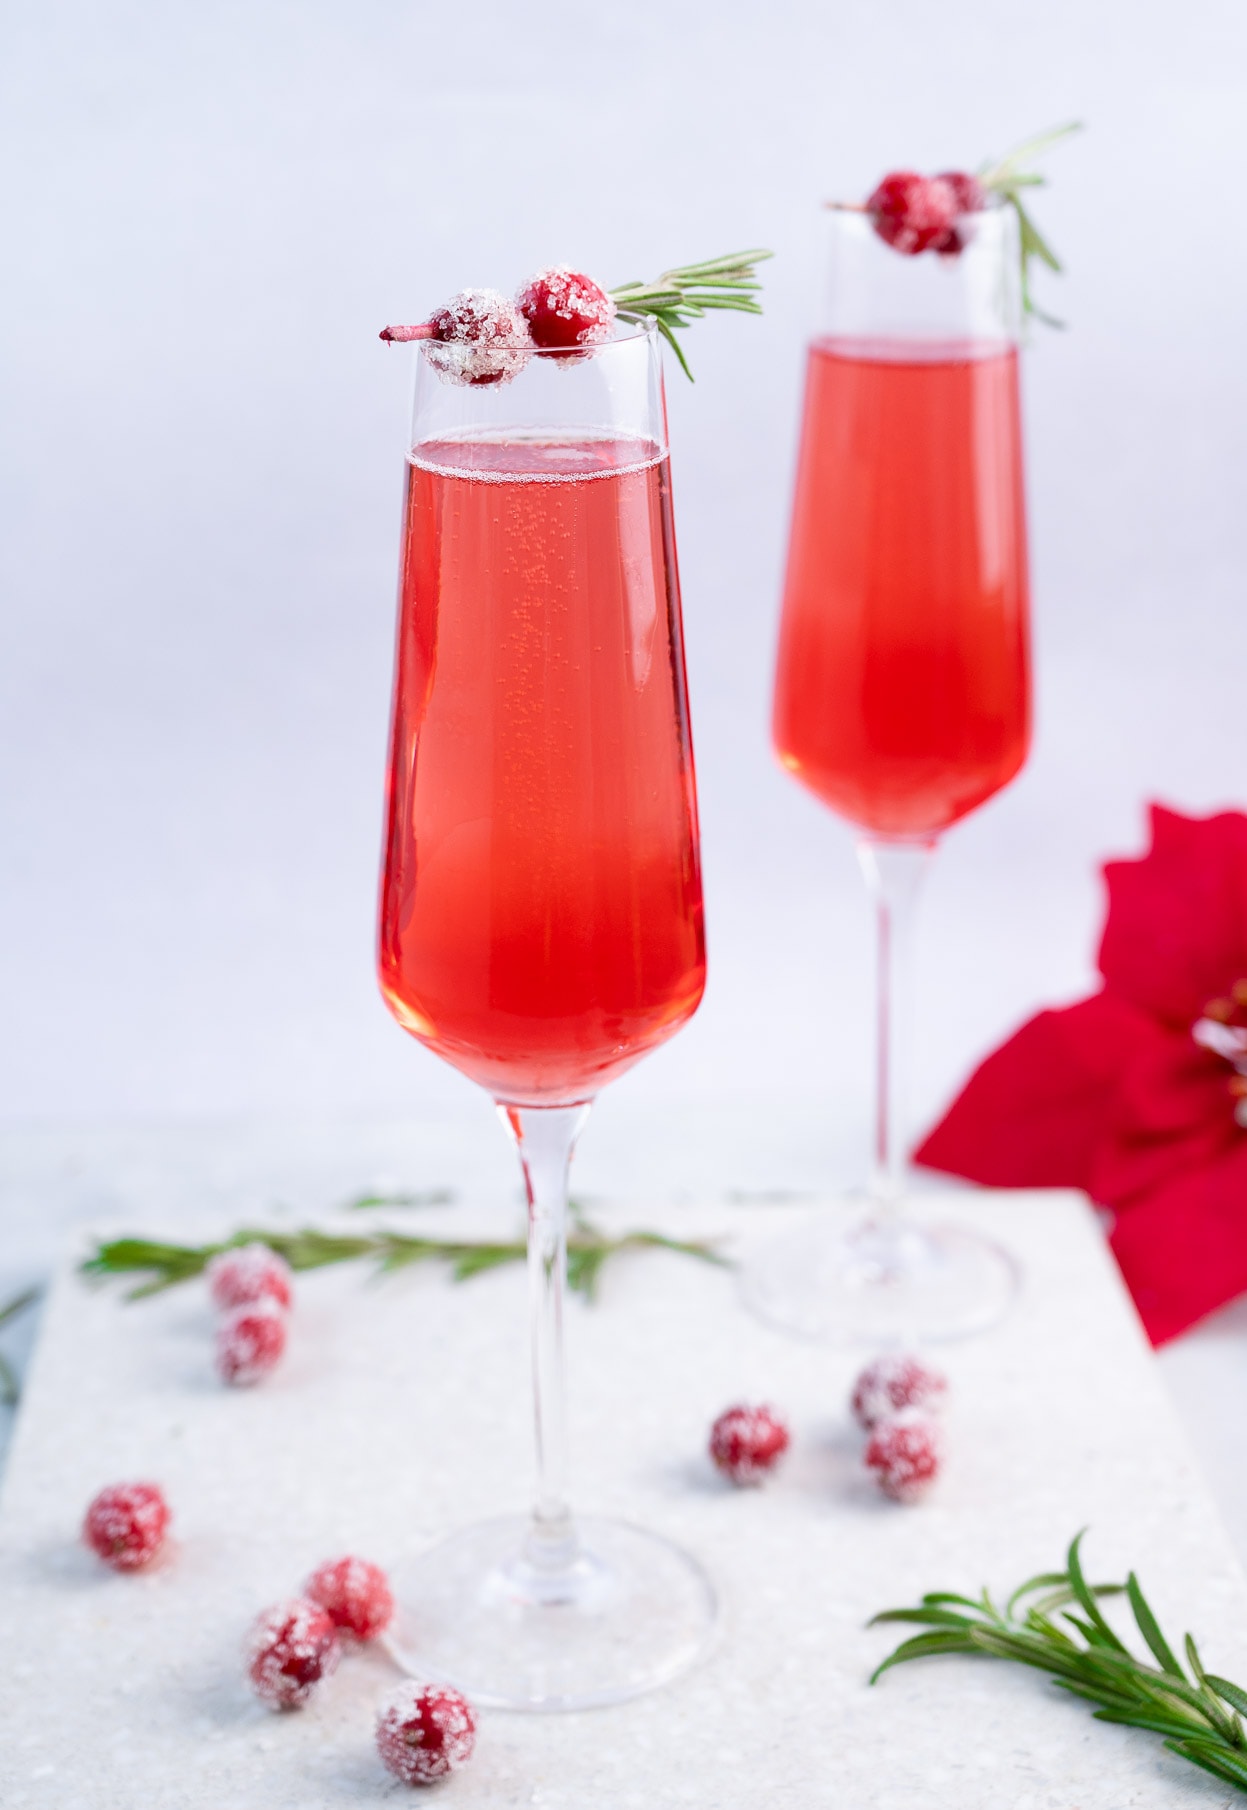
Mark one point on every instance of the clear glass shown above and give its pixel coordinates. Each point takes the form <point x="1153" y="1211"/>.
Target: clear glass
<point x="541" y="922"/>
<point x="902" y="695"/>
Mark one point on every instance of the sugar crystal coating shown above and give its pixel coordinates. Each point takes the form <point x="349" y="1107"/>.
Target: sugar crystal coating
<point x="290" y="1648"/>
<point x="894" y="1382"/>
<point x="250" y="1342"/>
<point x="354" y="1594"/>
<point x="479" y="336"/>
<point x="126" y="1523"/>
<point x="564" y="308"/>
<point x="252" y="1272"/>
<point x="745" y="1443"/>
<point x="905" y="1454"/>
<point x="424" y="1732"/>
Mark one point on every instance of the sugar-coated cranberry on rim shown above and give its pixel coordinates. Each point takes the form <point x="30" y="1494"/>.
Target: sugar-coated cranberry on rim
<point x="292" y="1646"/>
<point x="126" y="1524"/>
<point x="425" y="1732"/>
<point x="748" y="1442"/>
<point x="565" y="309"/>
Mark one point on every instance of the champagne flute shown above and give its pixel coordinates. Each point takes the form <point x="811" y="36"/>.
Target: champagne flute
<point x="541" y="920"/>
<point x="902" y="692"/>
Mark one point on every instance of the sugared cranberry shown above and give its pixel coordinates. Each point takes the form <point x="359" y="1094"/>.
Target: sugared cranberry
<point x="126" y="1524"/>
<point x="291" y="1647"/>
<point x="912" y="212"/>
<point x="354" y="1595"/>
<point x="479" y="337"/>
<point x="905" y="1454"/>
<point x="969" y="195"/>
<point x="565" y="309"/>
<point x="745" y="1443"/>
<point x="425" y="1731"/>
<point x="250" y="1273"/>
<point x="893" y="1383"/>
<point x="250" y="1342"/>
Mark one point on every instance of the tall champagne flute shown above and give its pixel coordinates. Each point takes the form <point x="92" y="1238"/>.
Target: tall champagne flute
<point x="902" y="691"/>
<point x="541" y="919"/>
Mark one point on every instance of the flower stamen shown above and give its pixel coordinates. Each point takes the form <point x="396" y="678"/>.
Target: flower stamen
<point x="1223" y="1030"/>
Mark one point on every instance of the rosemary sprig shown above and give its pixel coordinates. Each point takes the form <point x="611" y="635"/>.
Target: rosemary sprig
<point x="1008" y="177"/>
<point x="1199" y="1715"/>
<point x="684" y="295"/>
<point x="165" y="1265"/>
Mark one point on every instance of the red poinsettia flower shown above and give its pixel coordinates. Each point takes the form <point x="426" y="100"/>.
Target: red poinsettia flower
<point x="1139" y="1094"/>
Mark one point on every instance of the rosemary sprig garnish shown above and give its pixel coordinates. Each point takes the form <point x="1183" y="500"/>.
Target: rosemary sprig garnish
<point x="1199" y="1715"/>
<point x="165" y="1265"/>
<point x="1008" y="177"/>
<point x="684" y="295"/>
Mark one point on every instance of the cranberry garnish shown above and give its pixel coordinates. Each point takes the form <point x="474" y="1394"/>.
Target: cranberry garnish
<point x="912" y="212"/>
<point x="565" y="309"/>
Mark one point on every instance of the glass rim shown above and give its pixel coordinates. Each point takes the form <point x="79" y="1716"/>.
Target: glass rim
<point x="626" y="333"/>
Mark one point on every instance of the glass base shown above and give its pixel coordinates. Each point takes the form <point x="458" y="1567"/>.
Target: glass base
<point x="846" y="1279"/>
<point x="517" y="1622"/>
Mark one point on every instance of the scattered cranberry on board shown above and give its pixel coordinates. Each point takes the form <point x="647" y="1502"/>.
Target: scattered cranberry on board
<point x="905" y="1454"/>
<point x="291" y="1647"/>
<point x="895" y="1382"/>
<point x="746" y="1443"/>
<point x="354" y="1594"/>
<point x="126" y="1524"/>
<point x="424" y="1732"/>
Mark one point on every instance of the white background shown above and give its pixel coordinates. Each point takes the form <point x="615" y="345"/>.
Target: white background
<point x="212" y="208"/>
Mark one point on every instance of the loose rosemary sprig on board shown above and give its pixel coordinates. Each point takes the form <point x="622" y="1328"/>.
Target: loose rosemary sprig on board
<point x="1008" y="177"/>
<point x="1198" y="1715"/>
<point x="684" y="295"/>
<point x="165" y="1265"/>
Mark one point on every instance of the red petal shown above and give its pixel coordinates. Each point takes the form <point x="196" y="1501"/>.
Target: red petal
<point x="1183" y="1249"/>
<point x="1033" y="1114"/>
<point x="1173" y="1114"/>
<point x="1176" y="934"/>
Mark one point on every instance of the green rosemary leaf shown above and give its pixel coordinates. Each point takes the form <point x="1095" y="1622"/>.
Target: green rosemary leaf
<point x="927" y="1618"/>
<point x="1085" y="1596"/>
<point x="1043" y="1580"/>
<point x="1141" y="1718"/>
<point x="1230" y="1693"/>
<point x="9" y="1389"/>
<point x="935" y="1597"/>
<point x="685" y="294"/>
<point x="1149" y="1628"/>
<point x="1216" y="1760"/>
<point x="922" y="1646"/>
<point x="423" y="1197"/>
<point x="474" y="1260"/>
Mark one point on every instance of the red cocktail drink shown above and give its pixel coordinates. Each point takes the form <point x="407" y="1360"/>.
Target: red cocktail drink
<point x="541" y="913"/>
<point x="902" y="691"/>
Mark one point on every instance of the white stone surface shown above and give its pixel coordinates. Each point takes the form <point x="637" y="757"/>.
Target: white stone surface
<point x="401" y="1412"/>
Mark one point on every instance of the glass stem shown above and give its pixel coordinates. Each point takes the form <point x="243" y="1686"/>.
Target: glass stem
<point x="894" y="871"/>
<point x="545" y="1137"/>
